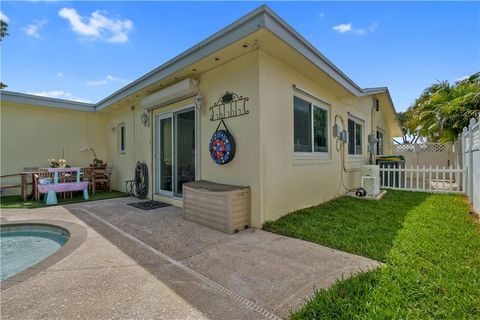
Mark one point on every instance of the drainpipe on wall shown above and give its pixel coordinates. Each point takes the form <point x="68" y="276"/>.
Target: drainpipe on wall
<point x="152" y="153"/>
<point x="198" y="107"/>
<point x="373" y="131"/>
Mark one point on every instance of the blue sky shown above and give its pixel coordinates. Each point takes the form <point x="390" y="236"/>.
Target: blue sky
<point x="87" y="50"/>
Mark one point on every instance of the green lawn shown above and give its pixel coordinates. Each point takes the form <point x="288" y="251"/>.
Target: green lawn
<point x="430" y="246"/>
<point x="16" y="202"/>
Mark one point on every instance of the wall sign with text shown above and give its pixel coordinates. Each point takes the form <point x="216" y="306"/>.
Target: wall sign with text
<point x="229" y="105"/>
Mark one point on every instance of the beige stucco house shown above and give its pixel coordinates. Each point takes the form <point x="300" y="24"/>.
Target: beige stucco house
<point x="288" y="146"/>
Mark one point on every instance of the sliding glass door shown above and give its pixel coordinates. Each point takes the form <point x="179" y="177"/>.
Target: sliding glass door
<point x="165" y="155"/>
<point x="184" y="149"/>
<point x="175" y="151"/>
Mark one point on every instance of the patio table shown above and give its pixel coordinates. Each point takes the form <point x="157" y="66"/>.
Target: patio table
<point x="24" y="182"/>
<point x="52" y="189"/>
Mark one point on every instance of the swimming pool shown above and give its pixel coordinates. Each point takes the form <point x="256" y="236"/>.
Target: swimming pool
<point x="24" y="245"/>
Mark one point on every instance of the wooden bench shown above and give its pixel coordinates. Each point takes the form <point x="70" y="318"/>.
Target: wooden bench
<point x="13" y="185"/>
<point x="52" y="188"/>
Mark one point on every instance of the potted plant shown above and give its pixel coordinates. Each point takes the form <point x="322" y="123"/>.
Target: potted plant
<point x="60" y="163"/>
<point x="96" y="162"/>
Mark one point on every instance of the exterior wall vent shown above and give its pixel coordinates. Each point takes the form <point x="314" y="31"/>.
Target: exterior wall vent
<point x="376" y="104"/>
<point x="181" y="90"/>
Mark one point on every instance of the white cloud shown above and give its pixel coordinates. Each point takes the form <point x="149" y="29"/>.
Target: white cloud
<point x="96" y="82"/>
<point x="58" y="94"/>
<point x="344" y="27"/>
<point x="98" y="26"/>
<point x="112" y="78"/>
<point x="461" y="79"/>
<point x="321" y="15"/>
<point x="60" y="75"/>
<point x="4" y="17"/>
<point x="33" y="29"/>
<point x="348" y="27"/>
<point x="107" y="79"/>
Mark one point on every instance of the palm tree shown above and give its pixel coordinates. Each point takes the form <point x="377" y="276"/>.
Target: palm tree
<point x="443" y="109"/>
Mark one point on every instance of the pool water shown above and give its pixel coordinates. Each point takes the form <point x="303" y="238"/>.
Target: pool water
<point x="23" y="246"/>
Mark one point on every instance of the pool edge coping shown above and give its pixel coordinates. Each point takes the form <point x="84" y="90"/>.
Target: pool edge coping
<point x="77" y="236"/>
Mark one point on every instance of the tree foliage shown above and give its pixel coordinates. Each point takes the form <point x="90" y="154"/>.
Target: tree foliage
<point x="408" y="136"/>
<point x="443" y="110"/>
<point x="3" y="34"/>
<point x="3" y="29"/>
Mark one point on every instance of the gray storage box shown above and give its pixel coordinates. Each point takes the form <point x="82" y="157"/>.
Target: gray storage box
<point x="218" y="206"/>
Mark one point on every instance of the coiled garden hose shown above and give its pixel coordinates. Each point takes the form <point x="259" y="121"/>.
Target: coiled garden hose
<point x="140" y="182"/>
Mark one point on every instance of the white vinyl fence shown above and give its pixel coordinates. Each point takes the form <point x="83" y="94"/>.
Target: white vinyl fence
<point x="422" y="178"/>
<point x="464" y="178"/>
<point x="428" y="154"/>
<point x="469" y="152"/>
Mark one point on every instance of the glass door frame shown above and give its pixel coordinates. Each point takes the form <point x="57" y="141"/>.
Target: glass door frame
<point x="156" y="148"/>
<point x="157" y="165"/>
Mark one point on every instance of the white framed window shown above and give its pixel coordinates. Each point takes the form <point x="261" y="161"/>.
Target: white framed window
<point x="355" y="136"/>
<point x="380" y="142"/>
<point x="310" y="127"/>
<point x="122" y="137"/>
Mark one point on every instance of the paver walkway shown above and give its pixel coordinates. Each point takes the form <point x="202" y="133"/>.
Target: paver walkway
<point x="138" y="264"/>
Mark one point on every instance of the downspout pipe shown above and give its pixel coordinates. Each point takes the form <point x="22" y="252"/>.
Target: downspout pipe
<point x="373" y="129"/>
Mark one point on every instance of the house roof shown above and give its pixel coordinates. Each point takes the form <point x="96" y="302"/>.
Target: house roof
<point x="23" y="98"/>
<point x="374" y="90"/>
<point x="378" y="90"/>
<point x="261" y="18"/>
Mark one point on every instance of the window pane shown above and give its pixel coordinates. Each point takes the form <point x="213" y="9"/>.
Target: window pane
<point x="121" y="138"/>
<point x="351" y="137"/>
<point x="380" y="143"/>
<point x="320" y="130"/>
<point x="185" y="150"/>
<point x="302" y="126"/>
<point x="358" y="138"/>
<point x="166" y="159"/>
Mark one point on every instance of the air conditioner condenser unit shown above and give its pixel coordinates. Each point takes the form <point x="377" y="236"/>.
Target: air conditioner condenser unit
<point x="371" y="179"/>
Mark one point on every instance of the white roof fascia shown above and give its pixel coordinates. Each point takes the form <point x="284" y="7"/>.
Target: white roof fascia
<point x="30" y="99"/>
<point x="238" y="30"/>
<point x="369" y="91"/>
<point x="279" y="27"/>
<point x="262" y="17"/>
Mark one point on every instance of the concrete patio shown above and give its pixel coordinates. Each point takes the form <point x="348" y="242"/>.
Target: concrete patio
<point x="138" y="264"/>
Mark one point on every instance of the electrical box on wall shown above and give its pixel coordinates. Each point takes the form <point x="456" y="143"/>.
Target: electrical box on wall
<point x="342" y="135"/>
<point x="372" y="143"/>
<point x="336" y="130"/>
<point x="372" y="138"/>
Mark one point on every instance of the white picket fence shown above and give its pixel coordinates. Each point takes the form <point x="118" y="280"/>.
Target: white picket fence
<point x="422" y="178"/>
<point x="463" y="179"/>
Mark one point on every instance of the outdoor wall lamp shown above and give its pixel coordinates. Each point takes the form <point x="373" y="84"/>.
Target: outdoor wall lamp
<point x="198" y="101"/>
<point x="145" y="119"/>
